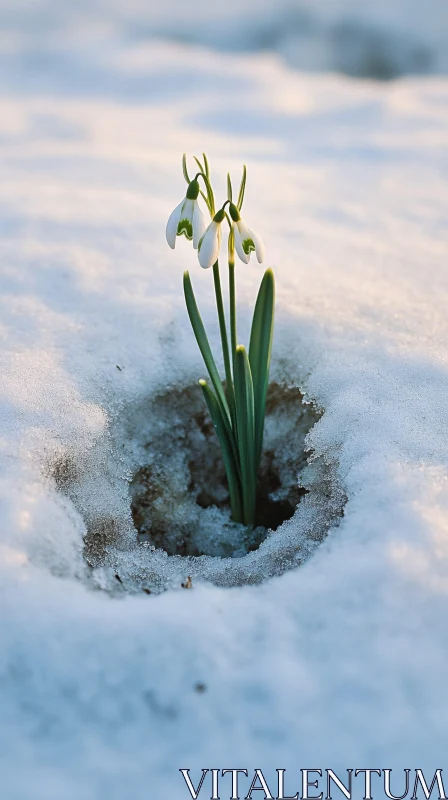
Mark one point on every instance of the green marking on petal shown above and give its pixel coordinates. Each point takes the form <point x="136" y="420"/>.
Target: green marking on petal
<point x="248" y="246"/>
<point x="186" y="228"/>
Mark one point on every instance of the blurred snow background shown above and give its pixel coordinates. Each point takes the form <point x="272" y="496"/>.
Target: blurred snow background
<point x="382" y="39"/>
<point x="341" y="662"/>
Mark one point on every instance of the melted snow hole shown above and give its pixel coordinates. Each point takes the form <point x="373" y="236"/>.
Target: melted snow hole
<point x="179" y="498"/>
<point x="166" y="521"/>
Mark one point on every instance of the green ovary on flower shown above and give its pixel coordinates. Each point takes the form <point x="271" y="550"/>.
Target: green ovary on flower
<point x="186" y="228"/>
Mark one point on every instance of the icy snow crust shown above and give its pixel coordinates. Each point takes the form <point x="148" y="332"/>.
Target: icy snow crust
<point x="340" y="662"/>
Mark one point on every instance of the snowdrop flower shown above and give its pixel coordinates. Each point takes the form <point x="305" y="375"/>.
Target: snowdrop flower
<point x="246" y="239"/>
<point x="187" y="218"/>
<point x="211" y="241"/>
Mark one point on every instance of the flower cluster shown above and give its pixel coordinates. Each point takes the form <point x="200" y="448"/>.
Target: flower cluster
<point x="237" y="405"/>
<point x="188" y="220"/>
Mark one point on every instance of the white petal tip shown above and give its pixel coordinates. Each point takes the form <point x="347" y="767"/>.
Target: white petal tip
<point x="209" y="245"/>
<point x="172" y="224"/>
<point x="205" y="263"/>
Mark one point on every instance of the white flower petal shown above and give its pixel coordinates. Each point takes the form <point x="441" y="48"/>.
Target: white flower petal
<point x="239" y="245"/>
<point x="199" y="224"/>
<point x="246" y="236"/>
<point x="185" y="227"/>
<point x="172" y="225"/>
<point x="246" y="241"/>
<point x="188" y="209"/>
<point x="209" y="249"/>
<point x="259" y="245"/>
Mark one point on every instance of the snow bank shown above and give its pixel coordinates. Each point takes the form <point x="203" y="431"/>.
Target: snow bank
<point x="340" y="662"/>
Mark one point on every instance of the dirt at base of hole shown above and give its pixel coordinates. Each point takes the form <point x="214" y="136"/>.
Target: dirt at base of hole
<point x="179" y="497"/>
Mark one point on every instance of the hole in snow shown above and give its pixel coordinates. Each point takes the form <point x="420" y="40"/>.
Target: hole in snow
<point x="153" y="496"/>
<point x="179" y="498"/>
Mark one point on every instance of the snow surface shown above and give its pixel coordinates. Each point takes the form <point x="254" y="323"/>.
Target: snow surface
<point x="340" y="662"/>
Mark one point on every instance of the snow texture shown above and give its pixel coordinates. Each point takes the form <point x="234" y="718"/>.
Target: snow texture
<point x="339" y="662"/>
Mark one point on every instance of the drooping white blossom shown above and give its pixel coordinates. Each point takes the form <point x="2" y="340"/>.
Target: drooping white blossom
<point x="187" y="219"/>
<point x="246" y="239"/>
<point x="210" y="243"/>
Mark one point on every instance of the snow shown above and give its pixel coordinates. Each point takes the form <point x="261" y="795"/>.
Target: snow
<point x="339" y="662"/>
<point x="61" y="42"/>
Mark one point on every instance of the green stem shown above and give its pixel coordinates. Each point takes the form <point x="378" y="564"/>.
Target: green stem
<point x="204" y="347"/>
<point x="232" y="301"/>
<point x="227" y="451"/>
<point x="233" y="339"/>
<point x="230" y="391"/>
<point x="224" y="339"/>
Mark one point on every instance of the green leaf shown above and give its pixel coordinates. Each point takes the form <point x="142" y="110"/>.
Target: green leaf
<point x="229" y="187"/>
<point x="205" y="198"/>
<point x="242" y="189"/>
<point x="201" y="166"/>
<point x="184" y="168"/>
<point x="205" y="170"/>
<point x="260" y="354"/>
<point x="204" y="347"/>
<point x="244" y="402"/>
<point x="210" y="198"/>
<point x="226" y="449"/>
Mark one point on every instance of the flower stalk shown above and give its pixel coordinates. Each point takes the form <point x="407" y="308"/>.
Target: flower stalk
<point x="232" y="296"/>
<point x="237" y="406"/>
